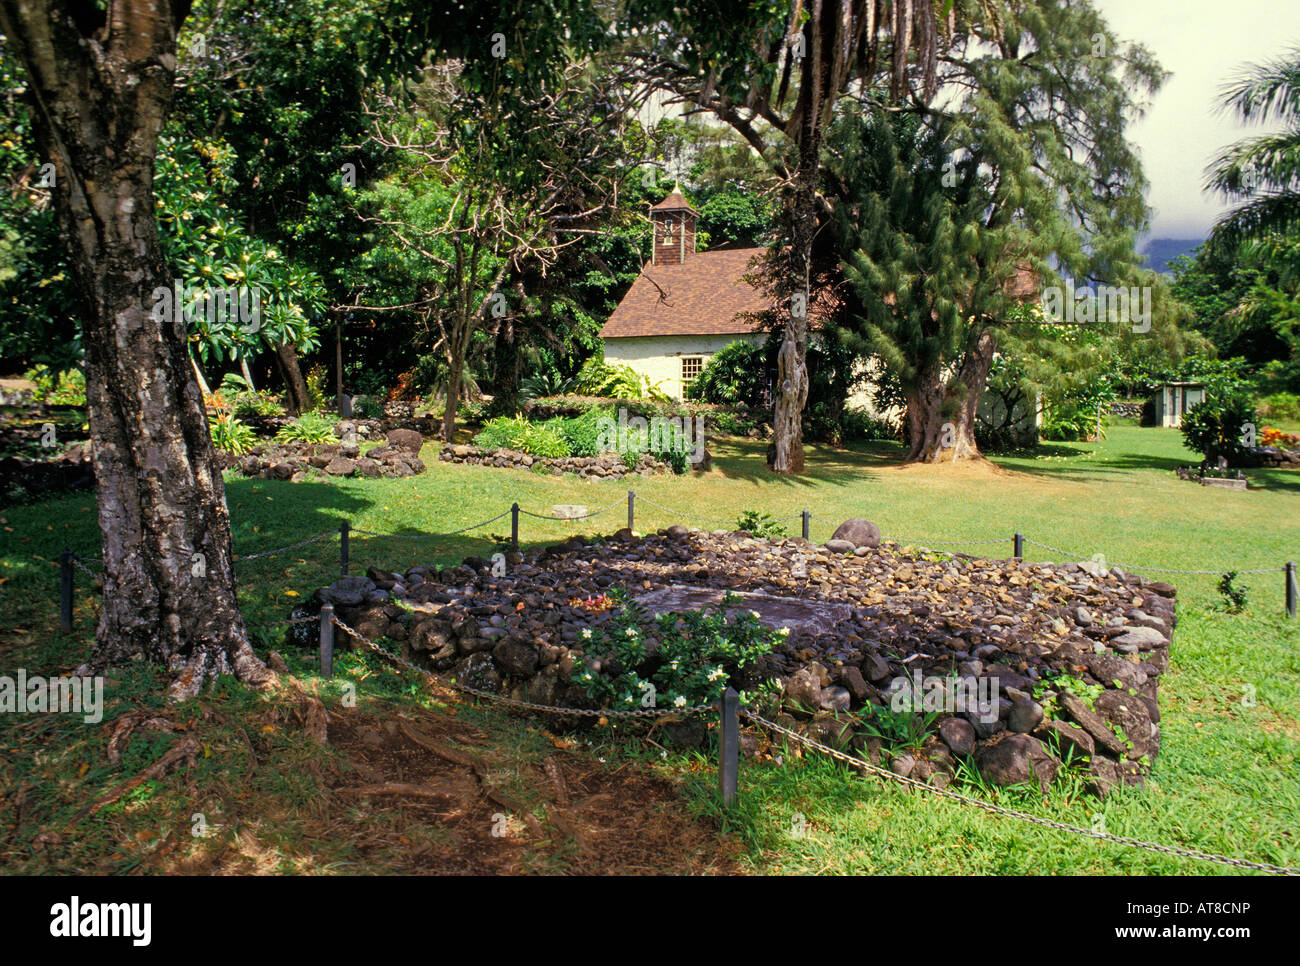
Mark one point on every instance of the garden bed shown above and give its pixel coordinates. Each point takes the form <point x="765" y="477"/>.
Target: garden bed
<point x="1195" y="474"/>
<point x="398" y="457"/>
<point x="1060" y="662"/>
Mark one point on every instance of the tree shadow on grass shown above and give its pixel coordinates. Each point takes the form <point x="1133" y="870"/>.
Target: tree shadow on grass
<point x="747" y="461"/>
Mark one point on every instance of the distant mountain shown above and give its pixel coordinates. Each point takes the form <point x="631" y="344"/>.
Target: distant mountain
<point x="1158" y="252"/>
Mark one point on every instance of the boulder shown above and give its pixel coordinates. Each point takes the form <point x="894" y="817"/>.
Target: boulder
<point x="407" y="440"/>
<point x="859" y="532"/>
<point x="1092" y="723"/>
<point x="346" y="591"/>
<point x="1016" y="760"/>
<point x="515" y="657"/>
<point x="340" y="466"/>
<point x="1113" y="671"/>
<point x="1129" y="713"/>
<point x="1069" y="738"/>
<point x="1025" y="715"/>
<point x="1136" y="639"/>
<point x="958" y="735"/>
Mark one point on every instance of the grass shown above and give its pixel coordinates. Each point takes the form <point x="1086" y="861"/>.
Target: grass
<point x="1224" y="781"/>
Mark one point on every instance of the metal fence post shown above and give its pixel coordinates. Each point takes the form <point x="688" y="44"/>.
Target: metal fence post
<point x="327" y="641"/>
<point x="806" y="515"/>
<point x="65" y="591"/>
<point x="344" y="528"/>
<point x="514" y="526"/>
<point x="631" y="509"/>
<point x="729" y="746"/>
<point x="1291" y="591"/>
<point x="1018" y="546"/>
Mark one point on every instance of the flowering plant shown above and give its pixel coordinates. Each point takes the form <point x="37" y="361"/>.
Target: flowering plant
<point x="1272" y="436"/>
<point x="597" y="605"/>
<point x="676" y="660"/>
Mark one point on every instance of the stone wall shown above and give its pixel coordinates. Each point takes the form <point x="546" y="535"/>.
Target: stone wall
<point x="861" y="622"/>
<point x="398" y="457"/>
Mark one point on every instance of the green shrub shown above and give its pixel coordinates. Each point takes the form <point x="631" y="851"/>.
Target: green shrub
<point x="67" y="388"/>
<point x="512" y="432"/>
<point x="368" y="407"/>
<point x="1214" y="428"/>
<point x="597" y="378"/>
<point x="581" y="433"/>
<point x="231" y="435"/>
<point x="760" y="525"/>
<point x="860" y="426"/>
<point x="1280" y="405"/>
<point x="317" y="379"/>
<point x="732" y="424"/>
<point x="698" y="655"/>
<point x="736" y="375"/>
<point x="668" y="444"/>
<point x="244" y="401"/>
<point x="1235" y="596"/>
<point x="313" y="428"/>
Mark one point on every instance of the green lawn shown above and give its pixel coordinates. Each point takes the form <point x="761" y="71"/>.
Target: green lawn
<point x="1225" y="780"/>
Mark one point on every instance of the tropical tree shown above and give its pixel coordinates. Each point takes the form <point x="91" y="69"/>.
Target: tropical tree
<point x="102" y="87"/>
<point x="1261" y="173"/>
<point x="461" y="205"/>
<point x="774" y="72"/>
<point x="1019" y="184"/>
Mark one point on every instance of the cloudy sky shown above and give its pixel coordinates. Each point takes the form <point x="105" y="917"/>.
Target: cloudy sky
<point x="1203" y="43"/>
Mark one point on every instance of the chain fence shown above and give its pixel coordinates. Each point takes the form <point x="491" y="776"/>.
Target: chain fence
<point x="996" y="809"/>
<point x="72" y="560"/>
<point x="1291" y="591"/>
<point x="564" y="710"/>
<point x="832" y="753"/>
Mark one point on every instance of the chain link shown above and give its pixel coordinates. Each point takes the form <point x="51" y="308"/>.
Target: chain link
<point x="76" y="562"/>
<point x="293" y="546"/>
<point x="515" y="702"/>
<point x="542" y="516"/>
<point x="289" y="623"/>
<point x="690" y="516"/>
<point x="423" y="536"/>
<point x="1014" y="813"/>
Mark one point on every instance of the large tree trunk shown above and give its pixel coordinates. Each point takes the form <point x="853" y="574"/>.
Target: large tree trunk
<point x="296" y="395"/>
<point x="792" y="363"/>
<point x="941" y="413"/>
<point x="101" y="90"/>
<point x="457" y="367"/>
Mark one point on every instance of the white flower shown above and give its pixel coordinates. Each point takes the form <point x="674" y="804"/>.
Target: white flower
<point x="586" y="633"/>
<point x="757" y="615"/>
<point x="679" y="702"/>
<point x="784" y="632"/>
<point x="630" y="632"/>
<point x="716" y="673"/>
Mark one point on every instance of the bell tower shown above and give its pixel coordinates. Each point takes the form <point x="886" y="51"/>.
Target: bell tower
<point x="674" y="230"/>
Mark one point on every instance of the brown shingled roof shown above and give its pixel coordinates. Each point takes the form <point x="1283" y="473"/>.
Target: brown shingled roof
<point x="674" y="202"/>
<point x="703" y="296"/>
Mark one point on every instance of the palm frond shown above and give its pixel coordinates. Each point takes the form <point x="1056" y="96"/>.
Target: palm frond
<point x="1269" y="91"/>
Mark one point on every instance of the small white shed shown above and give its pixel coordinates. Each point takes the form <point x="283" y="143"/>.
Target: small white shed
<point x="1175" y="398"/>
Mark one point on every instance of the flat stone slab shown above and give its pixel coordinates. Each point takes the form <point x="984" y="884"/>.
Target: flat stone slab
<point x="569" y="511"/>
<point x="796" y="613"/>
